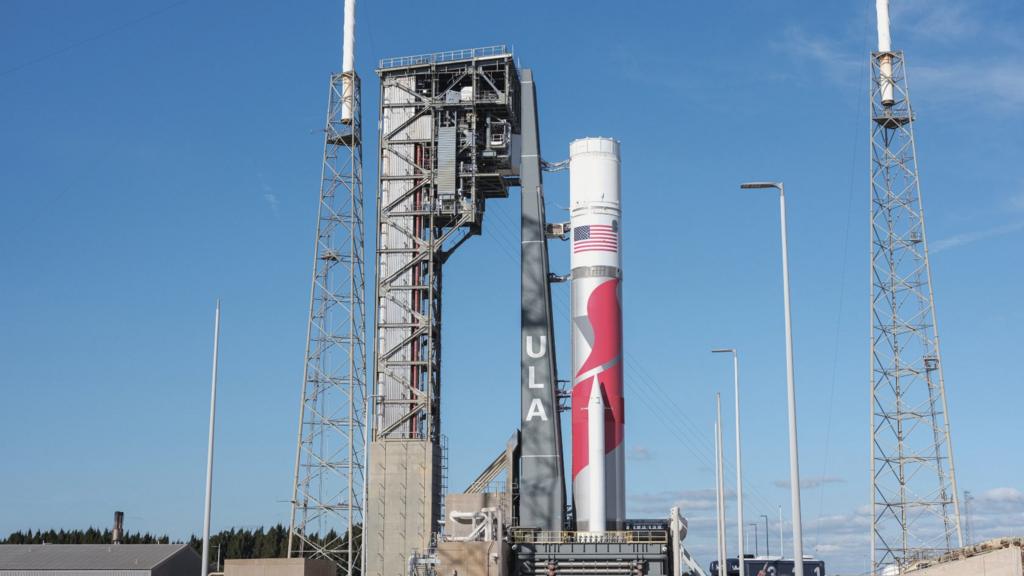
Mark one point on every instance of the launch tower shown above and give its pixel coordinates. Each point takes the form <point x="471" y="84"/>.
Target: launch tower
<point x="915" y="510"/>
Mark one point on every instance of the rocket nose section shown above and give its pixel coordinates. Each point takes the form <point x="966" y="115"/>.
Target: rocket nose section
<point x="597" y="504"/>
<point x="594" y="179"/>
<point x="596" y="399"/>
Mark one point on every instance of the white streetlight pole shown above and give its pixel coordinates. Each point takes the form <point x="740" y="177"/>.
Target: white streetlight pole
<point x="794" y="459"/>
<point x="209" y="447"/>
<point x="739" y="454"/>
<point x="782" y="542"/>
<point x="767" y="547"/>
<point x="720" y="488"/>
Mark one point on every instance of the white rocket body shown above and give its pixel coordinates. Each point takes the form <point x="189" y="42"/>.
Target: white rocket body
<point x="885" y="49"/>
<point x="598" y="458"/>
<point x="348" y="60"/>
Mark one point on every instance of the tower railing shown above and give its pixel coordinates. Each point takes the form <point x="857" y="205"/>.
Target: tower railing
<point x="447" y="56"/>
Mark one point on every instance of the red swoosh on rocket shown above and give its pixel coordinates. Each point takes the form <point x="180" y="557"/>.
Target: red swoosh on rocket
<point x="605" y="316"/>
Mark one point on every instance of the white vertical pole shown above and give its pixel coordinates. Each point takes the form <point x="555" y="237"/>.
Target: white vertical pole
<point x="718" y="502"/>
<point x="794" y="458"/>
<point x="884" y="38"/>
<point x="739" y="460"/>
<point x="209" y="447"/>
<point x="885" y="48"/>
<point x="782" y="544"/>
<point x="722" y="550"/>
<point x="348" y="62"/>
<point x="676" y="527"/>
<point x="348" y="55"/>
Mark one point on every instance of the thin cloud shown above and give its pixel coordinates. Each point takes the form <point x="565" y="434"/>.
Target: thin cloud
<point x="966" y="238"/>
<point x="272" y="200"/>
<point x="844" y="539"/>
<point x="268" y="194"/>
<point x="840" y="65"/>
<point x="811" y="482"/>
<point x="841" y="539"/>
<point x="999" y="83"/>
<point x="996" y="513"/>
<point x="937" y="20"/>
<point x="1016" y="202"/>
<point x="660" y="502"/>
<point x="1003" y="496"/>
<point x="995" y="79"/>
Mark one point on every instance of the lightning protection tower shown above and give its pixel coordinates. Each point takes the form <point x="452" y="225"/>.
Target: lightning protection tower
<point x="915" y="509"/>
<point x="329" y="490"/>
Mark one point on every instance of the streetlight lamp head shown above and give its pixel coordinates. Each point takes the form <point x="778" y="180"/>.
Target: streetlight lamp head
<point x="760" y="185"/>
<point x="721" y="350"/>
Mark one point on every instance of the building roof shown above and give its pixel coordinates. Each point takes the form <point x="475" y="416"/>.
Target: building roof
<point x="86" y="556"/>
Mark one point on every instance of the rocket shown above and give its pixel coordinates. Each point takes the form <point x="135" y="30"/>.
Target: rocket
<point x="598" y="411"/>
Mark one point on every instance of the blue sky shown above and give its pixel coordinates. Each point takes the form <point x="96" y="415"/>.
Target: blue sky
<point x="158" y="155"/>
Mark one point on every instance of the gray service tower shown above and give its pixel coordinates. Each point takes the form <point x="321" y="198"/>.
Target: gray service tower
<point x="458" y="129"/>
<point x="446" y="126"/>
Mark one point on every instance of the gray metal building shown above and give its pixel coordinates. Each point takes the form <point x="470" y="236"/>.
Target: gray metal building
<point x="98" y="560"/>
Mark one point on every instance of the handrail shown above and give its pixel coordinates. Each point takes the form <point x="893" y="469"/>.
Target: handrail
<point x="448" y="56"/>
<point x="527" y="536"/>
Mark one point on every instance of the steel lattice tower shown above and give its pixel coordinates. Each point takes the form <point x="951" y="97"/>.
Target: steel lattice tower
<point x="915" y="509"/>
<point x="330" y="477"/>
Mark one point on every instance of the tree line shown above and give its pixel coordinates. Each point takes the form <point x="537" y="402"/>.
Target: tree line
<point x="236" y="543"/>
<point x="245" y="543"/>
<point x="88" y="536"/>
<point x="263" y="542"/>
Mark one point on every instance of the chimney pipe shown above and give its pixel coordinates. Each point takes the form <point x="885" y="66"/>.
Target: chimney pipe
<point x="118" y="527"/>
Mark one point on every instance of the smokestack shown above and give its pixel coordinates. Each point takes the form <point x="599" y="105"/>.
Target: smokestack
<point x="348" y="62"/>
<point x="118" y="532"/>
<point x="598" y="459"/>
<point x="885" y="52"/>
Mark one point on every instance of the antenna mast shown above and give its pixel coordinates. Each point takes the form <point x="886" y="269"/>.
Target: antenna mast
<point x="329" y="491"/>
<point x="915" y="508"/>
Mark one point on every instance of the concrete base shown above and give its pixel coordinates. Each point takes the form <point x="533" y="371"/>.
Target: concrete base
<point x="279" y="567"/>
<point x="402" y="512"/>
<point x="999" y="557"/>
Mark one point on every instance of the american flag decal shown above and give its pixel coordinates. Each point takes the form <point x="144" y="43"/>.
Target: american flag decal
<point x="595" y="238"/>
